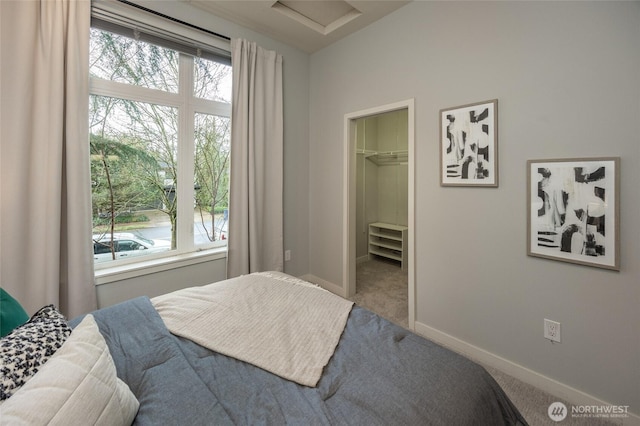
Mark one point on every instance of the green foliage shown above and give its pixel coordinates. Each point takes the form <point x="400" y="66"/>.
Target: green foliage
<point x="120" y="219"/>
<point x="115" y="171"/>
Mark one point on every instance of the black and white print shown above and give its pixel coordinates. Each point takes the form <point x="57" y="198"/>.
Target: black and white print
<point x="572" y="210"/>
<point x="468" y="145"/>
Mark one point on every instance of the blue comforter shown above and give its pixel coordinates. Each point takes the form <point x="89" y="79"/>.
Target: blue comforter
<point x="380" y="374"/>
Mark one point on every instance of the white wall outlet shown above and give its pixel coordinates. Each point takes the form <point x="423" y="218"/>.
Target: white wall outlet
<point x="287" y="255"/>
<point x="552" y="330"/>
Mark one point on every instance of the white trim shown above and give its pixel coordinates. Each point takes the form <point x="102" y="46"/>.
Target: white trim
<point x="349" y="202"/>
<point x="544" y="383"/>
<point x="185" y="147"/>
<point x="349" y="179"/>
<point x="101" y="87"/>
<point x="310" y="23"/>
<point x="137" y="269"/>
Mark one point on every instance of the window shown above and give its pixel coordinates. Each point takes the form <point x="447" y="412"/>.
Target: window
<point x="159" y="122"/>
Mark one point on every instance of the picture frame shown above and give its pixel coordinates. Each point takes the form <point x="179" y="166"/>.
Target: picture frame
<point x="573" y="210"/>
<point x="469" y="145"/>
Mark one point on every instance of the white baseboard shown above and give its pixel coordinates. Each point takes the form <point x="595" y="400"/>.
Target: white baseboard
<point x="327" y="285"/>
<point x="547" y="384"/>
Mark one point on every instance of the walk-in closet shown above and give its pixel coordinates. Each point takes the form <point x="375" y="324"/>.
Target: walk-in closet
<point x="382" y="214"/>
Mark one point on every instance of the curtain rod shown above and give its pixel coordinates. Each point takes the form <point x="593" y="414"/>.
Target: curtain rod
<point x="174" y="19"/>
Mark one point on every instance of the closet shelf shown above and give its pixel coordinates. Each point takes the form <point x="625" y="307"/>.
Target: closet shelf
<point x="385" y="158"/>
<point x="390" y="241"/>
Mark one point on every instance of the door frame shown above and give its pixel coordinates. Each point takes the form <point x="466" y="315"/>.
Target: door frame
<point x="349" y="200"/>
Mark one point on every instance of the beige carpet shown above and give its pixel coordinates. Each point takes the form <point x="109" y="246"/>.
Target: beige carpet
<point x="381" y="287"/>
<point x="533" y="403"/>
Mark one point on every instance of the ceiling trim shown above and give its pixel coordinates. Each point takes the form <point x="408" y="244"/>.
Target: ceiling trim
<point x="316" y="26"/>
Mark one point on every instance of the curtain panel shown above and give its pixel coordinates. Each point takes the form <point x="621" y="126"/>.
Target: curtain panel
<point x="45" y="220"/>
<point x="256" y="182"/>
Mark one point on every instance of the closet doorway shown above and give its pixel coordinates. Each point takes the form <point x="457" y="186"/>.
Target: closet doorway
<point x="379" y="210"/>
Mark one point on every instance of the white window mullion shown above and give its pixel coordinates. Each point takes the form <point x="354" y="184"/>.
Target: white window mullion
<point x="211" y="107"/>
<point x="114" y="89"/>
<point x="185" y="156"/>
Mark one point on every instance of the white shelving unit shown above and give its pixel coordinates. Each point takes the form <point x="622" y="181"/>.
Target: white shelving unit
<point x="388" y="241"/>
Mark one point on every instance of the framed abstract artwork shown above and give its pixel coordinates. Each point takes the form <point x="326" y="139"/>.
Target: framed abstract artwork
<point x="469" y="145"/>
<point x="573" y="210"/>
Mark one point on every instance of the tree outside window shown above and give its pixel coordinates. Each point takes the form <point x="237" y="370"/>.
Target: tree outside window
<point x="157" y="116"/>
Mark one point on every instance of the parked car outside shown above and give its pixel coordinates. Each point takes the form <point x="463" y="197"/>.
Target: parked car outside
<point x="126" y="245"/>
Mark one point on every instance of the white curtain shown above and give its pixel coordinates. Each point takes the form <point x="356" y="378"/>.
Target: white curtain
<point x="45" y="245"/>
<point x="255" y="201"/>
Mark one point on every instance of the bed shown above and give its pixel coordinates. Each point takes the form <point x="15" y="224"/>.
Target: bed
<point x="364" y="370"/>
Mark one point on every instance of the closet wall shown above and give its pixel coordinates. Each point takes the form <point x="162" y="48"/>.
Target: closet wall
<point x="382" y="174"/>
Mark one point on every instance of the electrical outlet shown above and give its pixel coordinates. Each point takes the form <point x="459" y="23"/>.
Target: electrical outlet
<point x="287" y="255"/>
<point x="552" y="330"/>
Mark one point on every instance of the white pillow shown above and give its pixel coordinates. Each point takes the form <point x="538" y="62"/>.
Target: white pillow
<point x="77" y="386"/>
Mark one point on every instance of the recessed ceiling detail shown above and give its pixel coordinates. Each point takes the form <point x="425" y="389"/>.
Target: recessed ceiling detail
<point x="323" y="17"/>
<point x="309" y="25"/>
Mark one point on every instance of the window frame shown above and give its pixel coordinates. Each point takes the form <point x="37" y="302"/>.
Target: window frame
<point x="188" y="105"/>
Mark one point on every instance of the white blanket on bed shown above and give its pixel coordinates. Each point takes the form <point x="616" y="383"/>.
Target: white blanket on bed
<point x="272" y="320"/>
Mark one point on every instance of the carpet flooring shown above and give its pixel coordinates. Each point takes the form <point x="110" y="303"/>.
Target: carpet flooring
<point x="381" y="287"/>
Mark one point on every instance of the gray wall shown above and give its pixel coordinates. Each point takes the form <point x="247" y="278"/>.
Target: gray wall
<point x="296" y="159"/>
<point x="157" y="283"/>
<point x="568" y="82"/>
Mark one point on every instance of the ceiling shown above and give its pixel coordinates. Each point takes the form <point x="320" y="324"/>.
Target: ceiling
<point x="308" y="25"/>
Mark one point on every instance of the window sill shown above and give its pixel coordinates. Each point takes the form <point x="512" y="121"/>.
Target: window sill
<point x="133" y="270"/>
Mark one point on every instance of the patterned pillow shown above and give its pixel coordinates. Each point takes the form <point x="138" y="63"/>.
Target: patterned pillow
<point x="29" y="346"/>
